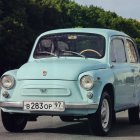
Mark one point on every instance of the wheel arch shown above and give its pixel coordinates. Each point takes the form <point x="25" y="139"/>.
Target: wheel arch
<point x="109" y="88"/>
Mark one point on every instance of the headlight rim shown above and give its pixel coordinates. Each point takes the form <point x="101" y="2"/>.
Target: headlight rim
<point x="82" y="85"/>
<point x="12" y="79"/>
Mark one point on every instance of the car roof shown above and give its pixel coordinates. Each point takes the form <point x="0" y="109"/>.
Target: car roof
<point x="101" y="31"/>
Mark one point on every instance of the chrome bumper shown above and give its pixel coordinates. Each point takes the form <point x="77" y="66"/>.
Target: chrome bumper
<point x="67" y="106"/>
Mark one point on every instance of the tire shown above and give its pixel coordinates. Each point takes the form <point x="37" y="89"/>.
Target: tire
<point x="13" y="122"/>
<point x="133" y="114"/>
<point x="67" y="118"/>
<point x="100" y="122"/>
<point x="113" y="117"/>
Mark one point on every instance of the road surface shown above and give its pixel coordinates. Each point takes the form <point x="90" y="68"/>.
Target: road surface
<point x="52" y="128"/>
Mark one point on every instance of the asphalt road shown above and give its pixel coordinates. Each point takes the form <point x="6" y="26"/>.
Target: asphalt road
<point x="52" y="128"/>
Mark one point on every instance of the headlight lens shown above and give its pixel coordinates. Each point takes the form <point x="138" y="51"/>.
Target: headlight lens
<point x="87" y="82"/>
<point x="7" y="81"/>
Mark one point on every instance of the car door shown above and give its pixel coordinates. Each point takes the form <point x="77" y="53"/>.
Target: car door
<point x="133" y="60"/>
<point x="123" y="74"/>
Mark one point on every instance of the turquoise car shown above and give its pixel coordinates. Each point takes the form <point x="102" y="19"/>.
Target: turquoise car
<point x="74" y="73"/>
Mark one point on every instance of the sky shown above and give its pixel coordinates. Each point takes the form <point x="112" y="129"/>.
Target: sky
<point x="124" y="8"/>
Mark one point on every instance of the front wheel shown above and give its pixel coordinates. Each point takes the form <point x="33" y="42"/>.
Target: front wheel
<point x="13" y="122"/>
<point x="100" y="122"/>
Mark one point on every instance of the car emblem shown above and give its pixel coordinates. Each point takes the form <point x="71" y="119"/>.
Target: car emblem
<point x="44" y="73"/>
<point x="43" y="90"/>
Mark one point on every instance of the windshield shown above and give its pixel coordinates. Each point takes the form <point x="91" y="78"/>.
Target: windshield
<point x="71" y="45"/>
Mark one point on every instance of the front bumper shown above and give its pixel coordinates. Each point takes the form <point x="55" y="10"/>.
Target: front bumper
<point x="67" y="105"/>
<point x="72" y="109"/>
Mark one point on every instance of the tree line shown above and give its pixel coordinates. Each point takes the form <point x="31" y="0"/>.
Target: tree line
<point x="21" y="21"/>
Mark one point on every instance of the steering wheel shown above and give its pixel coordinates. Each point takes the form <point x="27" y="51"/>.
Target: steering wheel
<point x="90" y="50"/>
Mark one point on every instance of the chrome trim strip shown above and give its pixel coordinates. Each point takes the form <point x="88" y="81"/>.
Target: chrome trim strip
<point x="11" y="104"/>
<point x="67" y="106"/>
<point x="81" y="106"/>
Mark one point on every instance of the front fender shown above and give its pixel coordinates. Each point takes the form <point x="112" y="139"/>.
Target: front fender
<point x="102" y="77"/>
<point x="11" y="72"/>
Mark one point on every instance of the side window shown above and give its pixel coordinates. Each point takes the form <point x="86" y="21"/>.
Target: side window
<point x="118" y="51"/>
<point x="131" y="53"/>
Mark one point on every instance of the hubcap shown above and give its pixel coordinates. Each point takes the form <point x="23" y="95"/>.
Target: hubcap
<point x="105" y="113"/>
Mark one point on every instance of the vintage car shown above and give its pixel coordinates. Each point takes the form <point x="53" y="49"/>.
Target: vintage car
<point x="74" y="73"/>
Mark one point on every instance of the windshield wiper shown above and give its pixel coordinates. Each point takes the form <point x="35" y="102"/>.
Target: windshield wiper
<point x="45" y="52"/>
<point x="73" y="53"/>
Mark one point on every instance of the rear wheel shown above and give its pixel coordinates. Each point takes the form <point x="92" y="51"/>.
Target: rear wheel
<point x="67" y="118"/>
<point x="101" y="121"/>
<point x="133" y="114"/>
<point x="13" y="122"/>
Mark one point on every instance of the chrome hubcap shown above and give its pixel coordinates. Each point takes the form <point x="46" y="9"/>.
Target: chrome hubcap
<point x="105" y="113"/>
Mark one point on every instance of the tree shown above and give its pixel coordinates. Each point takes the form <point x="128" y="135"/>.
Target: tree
<point x="21" y="21"/>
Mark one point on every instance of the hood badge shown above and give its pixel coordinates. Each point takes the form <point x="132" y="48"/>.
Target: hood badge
<point x="43" y="90"/>
<point x="44" y="73"/>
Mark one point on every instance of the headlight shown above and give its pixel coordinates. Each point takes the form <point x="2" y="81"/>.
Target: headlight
<point x="7" y="81"/>
<point x="87" y="82"/>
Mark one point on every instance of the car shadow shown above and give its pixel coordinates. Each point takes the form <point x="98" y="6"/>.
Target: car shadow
<point x="122" y="128"/>
<point x="75" y="128"/>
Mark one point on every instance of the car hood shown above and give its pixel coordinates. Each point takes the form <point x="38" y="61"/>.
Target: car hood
<point x="65" y="69"/>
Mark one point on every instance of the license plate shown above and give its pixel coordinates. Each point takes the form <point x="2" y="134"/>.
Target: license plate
<point x="44" y="106"/>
